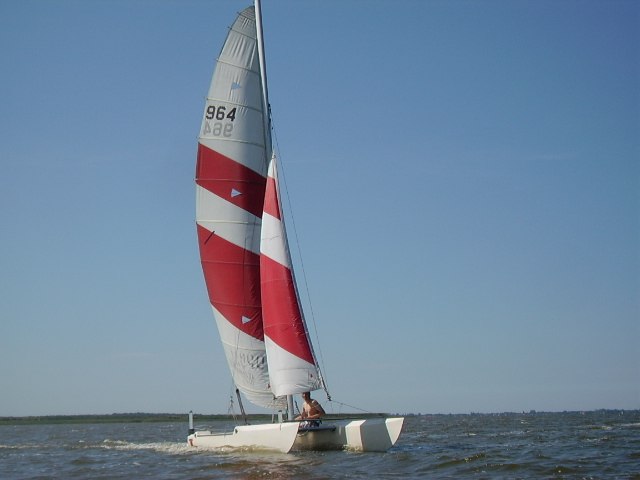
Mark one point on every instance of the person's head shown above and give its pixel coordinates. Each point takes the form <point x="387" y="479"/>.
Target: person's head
<point x="306" y="396"/>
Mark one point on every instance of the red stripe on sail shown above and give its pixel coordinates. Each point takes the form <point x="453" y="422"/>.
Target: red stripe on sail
<point x="271" y="199"/>
<point x="230" y="180"/>
<point x="232" y="276"/>
<point x="280" y="307"/>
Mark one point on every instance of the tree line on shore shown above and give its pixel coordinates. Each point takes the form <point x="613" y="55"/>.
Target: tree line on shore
<point x="130" y="418"/>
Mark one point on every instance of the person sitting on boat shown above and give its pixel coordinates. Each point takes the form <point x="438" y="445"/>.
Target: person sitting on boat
<point x="311" y="411"/>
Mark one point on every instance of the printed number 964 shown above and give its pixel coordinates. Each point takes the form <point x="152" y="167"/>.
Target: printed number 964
<point x="220" y="113"/>
<point x="222" y="128"/>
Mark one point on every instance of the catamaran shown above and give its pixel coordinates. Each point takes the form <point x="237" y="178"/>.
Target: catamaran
<point x="247" y="265"/>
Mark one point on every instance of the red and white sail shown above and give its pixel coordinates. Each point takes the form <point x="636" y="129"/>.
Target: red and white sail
<point x="233" y="152"/>
<point x="292" y="366"/>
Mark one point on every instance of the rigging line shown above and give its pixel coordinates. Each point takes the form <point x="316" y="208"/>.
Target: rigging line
<point x="304" y="274"/>
<point x="231" y="410"/>
<point x="352" y="406"/>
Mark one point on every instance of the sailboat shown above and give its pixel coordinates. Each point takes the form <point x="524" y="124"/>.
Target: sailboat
<point x="247" y="265"/>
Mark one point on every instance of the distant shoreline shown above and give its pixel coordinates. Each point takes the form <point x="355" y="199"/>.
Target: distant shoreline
<point x="114" y="418"/>
<point x="183" y="417"/>
<point x="138" y="418"/>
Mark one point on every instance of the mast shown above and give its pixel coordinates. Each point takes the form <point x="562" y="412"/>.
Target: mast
<point x="314" y="371"/>
<point x="266" y="112"/>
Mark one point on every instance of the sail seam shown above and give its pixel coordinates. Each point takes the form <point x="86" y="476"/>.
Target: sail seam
<point x="240" y="32"/>
<point x="230" y="222"/>
<point x="239" y="67"/>
<point x="259" y="145"/>
<point x="235" y="104"/>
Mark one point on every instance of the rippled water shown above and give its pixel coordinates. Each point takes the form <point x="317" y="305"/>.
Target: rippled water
<point x="542" y="445"/>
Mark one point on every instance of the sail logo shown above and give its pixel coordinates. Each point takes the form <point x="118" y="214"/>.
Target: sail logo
<point x="249" y="361"/>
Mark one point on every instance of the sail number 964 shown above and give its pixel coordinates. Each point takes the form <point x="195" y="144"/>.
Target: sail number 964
<point x="224" y="126"/>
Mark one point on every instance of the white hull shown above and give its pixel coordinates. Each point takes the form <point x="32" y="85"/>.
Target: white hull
<point x="277" y="437"/>
<point x="366" y="435"/>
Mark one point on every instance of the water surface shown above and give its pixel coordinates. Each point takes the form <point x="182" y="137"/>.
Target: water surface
<point x="603" y="444"/>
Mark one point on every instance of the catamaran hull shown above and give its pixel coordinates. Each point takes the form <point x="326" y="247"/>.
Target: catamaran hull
<point x="278" y="437"/>
<point x="365" y="435"/>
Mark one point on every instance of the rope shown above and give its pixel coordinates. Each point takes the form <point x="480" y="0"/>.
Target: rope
<point x="352" y="406"/>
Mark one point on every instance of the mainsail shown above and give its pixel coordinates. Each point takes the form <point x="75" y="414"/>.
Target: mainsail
<point x="233" y="152"/>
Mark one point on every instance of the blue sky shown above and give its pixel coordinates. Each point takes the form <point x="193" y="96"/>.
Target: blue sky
<point x="465" y="183"/>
